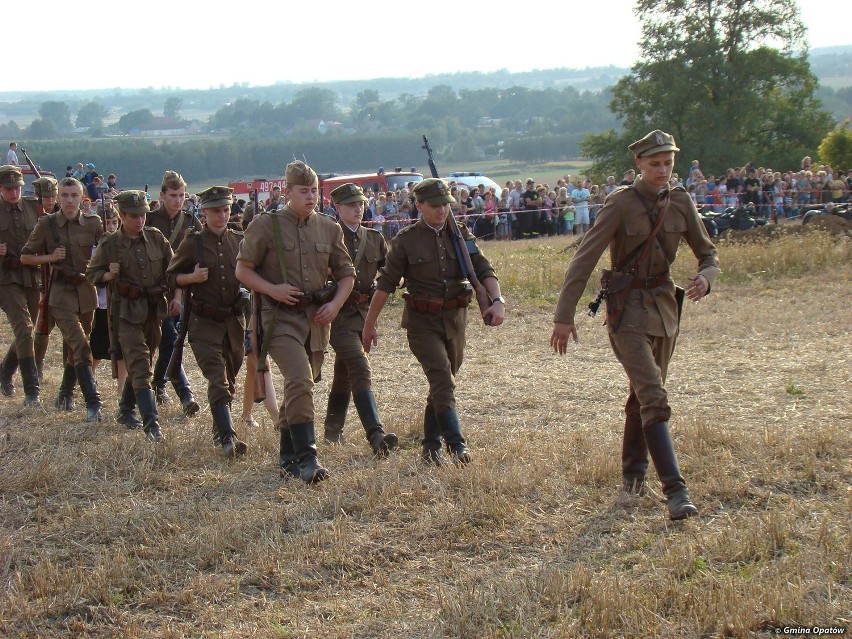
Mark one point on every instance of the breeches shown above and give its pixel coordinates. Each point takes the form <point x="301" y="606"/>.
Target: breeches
<point x="441" y="358"/>
<point x="75" y="329"/>
<point x="219" y="362"/>
<point x="138" y="342"/>
<point x="300" y="367"/>
<point x="351" y="366"/>
<point x="21" y="307"/>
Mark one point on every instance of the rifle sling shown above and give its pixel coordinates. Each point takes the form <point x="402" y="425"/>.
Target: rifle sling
<point x="177" y="229"/>
<point x="636" y="258"/>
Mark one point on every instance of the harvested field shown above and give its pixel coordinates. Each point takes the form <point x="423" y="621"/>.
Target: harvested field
<point x="104" y="535"/>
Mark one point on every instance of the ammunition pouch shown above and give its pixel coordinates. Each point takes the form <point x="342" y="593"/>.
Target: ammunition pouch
<point x="154" y="294"/>
<point x="243" y="300"/>
<point x="325" y="294"/>
<point x="434" y="305"/>
<point x="213" y="312"/>
<point x="356" y="297"/>
<point x="64" y="275"/>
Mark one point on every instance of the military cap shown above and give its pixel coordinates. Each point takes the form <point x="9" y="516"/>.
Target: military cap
<point x="298" y="173"/>
<point x="433" y="191"/>
<point x="132" y="202"/>
<point x="655" y="142"/>
<point x="11" y="176"/>
<point x="348" y="193"/>
<point x="46" y="187"/>
<point x="216" y="196"/>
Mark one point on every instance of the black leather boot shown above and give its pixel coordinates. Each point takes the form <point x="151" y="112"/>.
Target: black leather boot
<point x="335" y="417"/>
<point x="380" y="441"/>
<point x="305" y="448"/>
<point x="89" y="388"/>
<point x="161" y="393"/>
<point x="451" y="432"/>
<point x="7" y="371"/>
<point x="223" y="427"/>
<point x="431" y="452"/>
<point x="187" y="400"/>
<point x="65" y="397"/>
<point x="40" y="343"/>
<point x="634" y="451"/>
<point x="29" y="375"/>
<point x="288" y="465"/>
<point x="150" y="419"/>
<point x="661" y="447"/>
<point x="127" y="407"/>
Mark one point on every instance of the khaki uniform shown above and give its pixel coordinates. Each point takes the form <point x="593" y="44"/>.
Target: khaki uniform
<point x="143" y="263"/>
<point x="644" y="342"/>
<point x="73" y="299"/>
<point x="313" y="252"/>
<point x="216" y="339"/>
<point x="427" y="260"/>
<point x="351" y="366"/>
<point x="175" y="229"/>
<point x="19" y="285"/>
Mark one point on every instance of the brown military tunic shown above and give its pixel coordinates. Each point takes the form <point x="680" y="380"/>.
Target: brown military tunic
<point x="368" y="250"/>
<point x="428" y="261"/>
<point x="313" y="251"/>
<point x="216" y="325"/>
<point x="651" y="314"/>
<point x="143" y="262"/>
<point x="73" y="299"/>
<point x="19" y="285"/>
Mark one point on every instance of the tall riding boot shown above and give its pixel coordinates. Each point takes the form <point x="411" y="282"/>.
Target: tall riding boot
<point x="305" y="448"/>
<point x="7" y="371"/>
<point x="431" y="453"/>
<point x="224" y="431"/>
<point x="150" y="419"/>
<point x="288" y="465"/>
<point x="29" y="375"/>
<point x="634" y="450"/>
<point x="40" y="343"/>
<point x="160" y="392"/>
<point x="127" y="407"/>
<point x="65" y="397"/>
<point x="335" y="417"/>
<point x="89" y="388"/>
<point x="380" y="441"/>
<point x="661" y="447"/>
<point x="451" y="432"/>
<point x="187" y="400"/>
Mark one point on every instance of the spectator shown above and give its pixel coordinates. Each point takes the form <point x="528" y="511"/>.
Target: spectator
<point x="391" y="215"/>
<point x="596" y="200"/>
<point x="503" y="228"/>
<point x="580" y="196"/>
<point x="79" y="172"/>
<point x="69" y="171"/>
<point x="11" y="155"/>
<point x="274" y="199"/>
<point x="89" y="175"/>
<point x="514" y="200"/>
<point x="532" y="201"/>
<point x="629" y="177"/>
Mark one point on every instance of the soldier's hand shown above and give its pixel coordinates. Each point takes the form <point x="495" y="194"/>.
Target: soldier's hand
<point x="369" y="337"/>
<point x="112" y="272"/>
<point x="285" y="294"/>
<point x="560" y="336"/>
<point x="494" y="315"/>
<point x="58" y="254"/>
<point x="174" y="308"/>
<point x="200" y="274"/>
<point x="326" y="313"/>
<point x="697" y="287"/>
<point x="2" y="249"/>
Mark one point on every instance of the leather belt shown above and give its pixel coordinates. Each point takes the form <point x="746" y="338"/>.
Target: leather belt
<point x="434" y="305"/>
<point x="155" y="294"/>
<point x="63" y="275"/>
<point x="211" y="311"/>
<point x="650" y="282"/>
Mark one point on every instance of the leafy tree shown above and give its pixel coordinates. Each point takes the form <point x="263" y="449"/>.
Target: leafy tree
<point x="172" y="107"/>
<point x="836" y="148"/>
<point x="91" y="115"/>
<point x="41" y="129"/>
<point x="709" y="74"/>
<point x="135" y="119"/>
<point x="57" y="114"/>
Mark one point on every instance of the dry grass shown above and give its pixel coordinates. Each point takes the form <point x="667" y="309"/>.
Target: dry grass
<point x="106" y="536"/>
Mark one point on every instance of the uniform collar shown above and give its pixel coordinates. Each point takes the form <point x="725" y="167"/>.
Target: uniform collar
<point x="126" y="240"/>
<point x="648" y="192"/>
<point x="291" y="215"/>
<point x="60" y="218"/>
<point x="429" y="227"/>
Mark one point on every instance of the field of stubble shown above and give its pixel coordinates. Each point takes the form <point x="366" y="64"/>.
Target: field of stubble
<point x="105" y="535"/>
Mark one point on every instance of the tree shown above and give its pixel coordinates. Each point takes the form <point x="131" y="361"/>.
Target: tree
<point x="709" y="74"/>
<point x="172" y="107"/>
<point x="836" y="148"/>
<point x="57" y="114"/>
<point x="135" y="120"/>
<point x="41" y="129"/>
<point x="91" y="115"/>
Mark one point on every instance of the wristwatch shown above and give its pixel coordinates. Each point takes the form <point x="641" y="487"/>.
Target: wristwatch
<point x="500" y="299"/>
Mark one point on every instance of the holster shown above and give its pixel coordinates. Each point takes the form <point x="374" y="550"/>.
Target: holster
<point x="357" y="297"/>
<point x="325" y="294"/>
<point x="617" y="286"/>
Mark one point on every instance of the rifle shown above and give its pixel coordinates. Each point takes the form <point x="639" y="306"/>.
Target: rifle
<point x="176" y="360"/>
<point x="42" y="326"/>
<point x="256" y="340"/>
<point x="483" y="299"/>
<point x="113" y="304"/>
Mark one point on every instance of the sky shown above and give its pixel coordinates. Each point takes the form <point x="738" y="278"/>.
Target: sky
<point x="177" y="44"/>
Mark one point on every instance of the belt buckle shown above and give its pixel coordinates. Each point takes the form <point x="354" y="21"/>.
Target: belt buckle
<point x="648" y="281"/>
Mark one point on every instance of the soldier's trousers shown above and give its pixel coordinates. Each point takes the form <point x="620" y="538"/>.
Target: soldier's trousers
<point x="300" y="367"/>
<point x="351" y="366"/>
<point x="219" y="359"/>
<point x="75" y="328"/>
<point x="645" y="359"/>
<point x="138" y="343"/>
<point x="441" y="358"/>
<point x="21" y="307"/>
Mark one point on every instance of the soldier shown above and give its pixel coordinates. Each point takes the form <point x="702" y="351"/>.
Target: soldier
<point x="204" y="266"/>
<point x="435" y="313"/>
<point x="45" y="201"/>
<point x="644" y="339"/>
<point x="367" y="249"/>
<point x="18" y="283"/>
<point x="174" y="223"/>
<point x="65" y="240"/>
<point x="135" y="259"/>
<point x="287" y="256"/>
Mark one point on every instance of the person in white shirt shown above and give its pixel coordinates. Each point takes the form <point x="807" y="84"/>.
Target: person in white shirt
<point x="11" y="155"/>
<point x="581" y="196"/>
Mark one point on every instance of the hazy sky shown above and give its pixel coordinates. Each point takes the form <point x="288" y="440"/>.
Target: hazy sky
<point x="184" y="44"/>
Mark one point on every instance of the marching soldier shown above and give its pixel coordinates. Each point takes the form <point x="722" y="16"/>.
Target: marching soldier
<point x="367" y="249"/>
<point x="204" y="266"/>
<point x="174" y="223"/>
<point x="644" y="338"/>
<point x="435" y="313"/>
<point x="19" y="284"/>
<point x="135" y="259"/>
<point x="287" y="256"/>
<point x="65" y="240"/>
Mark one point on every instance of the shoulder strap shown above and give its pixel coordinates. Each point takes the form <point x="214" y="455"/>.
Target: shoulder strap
<point x="177" y="229"/>
<point x="631" y="265"/>
<point x="54" y="228"/>
<point x="199" y="248"/>
<point x="279" y="245"/>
